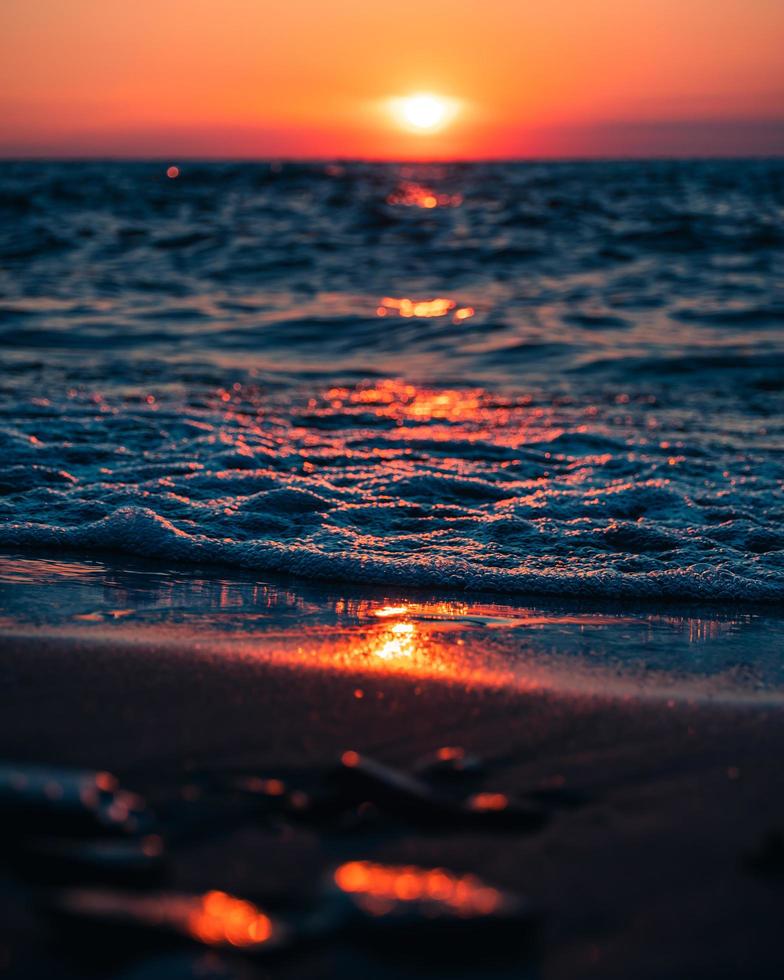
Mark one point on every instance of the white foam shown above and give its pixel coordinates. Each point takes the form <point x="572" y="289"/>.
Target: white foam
<point x="563" y="510"/>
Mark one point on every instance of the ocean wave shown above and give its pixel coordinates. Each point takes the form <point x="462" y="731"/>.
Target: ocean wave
<point x="142" y="532"/>
<point x="450" y="488"/>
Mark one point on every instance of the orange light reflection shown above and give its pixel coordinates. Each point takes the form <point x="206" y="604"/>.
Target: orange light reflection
<point x="483" y="802"/>
<point x="214" y="918"/>
<point x="410" y="194"/>
<point x="222" y="919"/>
<point x="463" y="894"/>
<point x="390" y="611"/>
<point x="418" y="640"/>
<point x="428" y="640"/>
<point x="423" y="309"/>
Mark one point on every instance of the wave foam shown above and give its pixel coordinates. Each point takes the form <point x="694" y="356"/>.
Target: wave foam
<point x="490" y="495"/>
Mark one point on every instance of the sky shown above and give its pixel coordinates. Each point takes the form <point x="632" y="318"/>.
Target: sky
<point x="317" y="78"/>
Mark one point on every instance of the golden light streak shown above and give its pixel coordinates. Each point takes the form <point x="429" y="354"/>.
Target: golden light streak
<point x="464" y="894"/>
<point x="423" y="309"/>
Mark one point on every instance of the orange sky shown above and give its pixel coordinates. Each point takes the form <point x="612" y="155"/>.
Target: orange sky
<point x="176" y="78"/>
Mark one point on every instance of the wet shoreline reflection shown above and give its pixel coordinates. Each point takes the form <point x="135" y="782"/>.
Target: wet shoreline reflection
<point x="473" y="640"/>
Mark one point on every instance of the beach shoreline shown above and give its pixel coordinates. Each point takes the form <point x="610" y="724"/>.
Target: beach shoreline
<point x="649" y="874"/>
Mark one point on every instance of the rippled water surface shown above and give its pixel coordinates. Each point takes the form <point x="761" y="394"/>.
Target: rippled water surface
<point x="555" y="378"/>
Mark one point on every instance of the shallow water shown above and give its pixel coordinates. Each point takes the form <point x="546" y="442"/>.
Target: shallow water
<point x="582" y="647"/>
<point x="561" y="379"/>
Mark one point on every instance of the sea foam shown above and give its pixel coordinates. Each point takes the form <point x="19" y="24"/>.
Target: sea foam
<point x="509" y="497"/>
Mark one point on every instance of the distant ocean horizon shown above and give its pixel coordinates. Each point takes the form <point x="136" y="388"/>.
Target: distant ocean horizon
<point x="522" y="159"/>
<point x="700" y="137"/>
<point x="561" y="378"/>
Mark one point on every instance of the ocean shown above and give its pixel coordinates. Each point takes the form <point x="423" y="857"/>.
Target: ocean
<point x="418" y="523"/>
<point x="561" y="379"/>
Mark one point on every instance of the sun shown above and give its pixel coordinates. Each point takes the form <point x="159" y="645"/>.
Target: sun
<point x="424" y="112"/>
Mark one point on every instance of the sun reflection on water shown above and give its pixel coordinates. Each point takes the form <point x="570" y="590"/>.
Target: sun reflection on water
<point x="396" y="642"/>
<point x="425" y="640"/>
<point x="423" y="309"/>
<point x="400" y="400"/>
<point x="391" y="611"/>
<point x="411" y="194"/>
<point x="474" y="644"/>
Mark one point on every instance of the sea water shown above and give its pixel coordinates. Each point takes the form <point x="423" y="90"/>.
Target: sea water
<point x="537" y="378"/>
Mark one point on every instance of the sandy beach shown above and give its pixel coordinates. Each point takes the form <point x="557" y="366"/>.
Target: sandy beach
<point x="659" y="796"/>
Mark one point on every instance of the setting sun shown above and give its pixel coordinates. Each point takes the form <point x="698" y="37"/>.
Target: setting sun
<point x="424" y="112"/>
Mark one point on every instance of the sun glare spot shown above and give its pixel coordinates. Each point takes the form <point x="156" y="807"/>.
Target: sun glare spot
<point x="424" y="112"/>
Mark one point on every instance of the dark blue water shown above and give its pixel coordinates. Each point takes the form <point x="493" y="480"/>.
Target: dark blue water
<point x="553" y="378"/>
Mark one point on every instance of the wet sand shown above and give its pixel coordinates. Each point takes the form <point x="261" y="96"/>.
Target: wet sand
<point x="648" y="876"/>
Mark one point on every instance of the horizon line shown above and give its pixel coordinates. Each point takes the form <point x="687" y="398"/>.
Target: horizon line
<point x="304" y="158"/>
